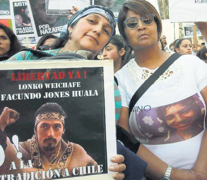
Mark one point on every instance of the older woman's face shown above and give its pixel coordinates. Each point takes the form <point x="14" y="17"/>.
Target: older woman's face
<point x="4" y="43"/>
<point x="185" y="47"/>
<point x="91" y="33"/>
<point x="143" y="35"/>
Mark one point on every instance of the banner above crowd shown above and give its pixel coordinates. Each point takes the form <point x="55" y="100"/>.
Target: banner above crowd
<point x="188" y="10"/>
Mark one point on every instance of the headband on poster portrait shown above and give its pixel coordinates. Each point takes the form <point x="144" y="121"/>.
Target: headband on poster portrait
<point x="50" y="116"/>
<point x="104" y="11"/>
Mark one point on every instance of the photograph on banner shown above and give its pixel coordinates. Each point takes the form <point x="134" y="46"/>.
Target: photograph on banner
<point x="56" y="122"/>
<point x="170" y="123"/>
<point x="4" y="9"/>
<point x="61" y="7"/>
<point x="188" y="10"/>
<point x="21" y="18"/>
<point x="113" y="5"/>
<point x="46" y="24"/>
<point x="188" y="30"/>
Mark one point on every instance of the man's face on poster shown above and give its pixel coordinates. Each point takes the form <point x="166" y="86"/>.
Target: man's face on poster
<point x="49" y="134"/>
<point x="18" y="20"/>
<point x="179" y="116"/>
<point x="39" y="13"/>
<point x="106" y="3"/>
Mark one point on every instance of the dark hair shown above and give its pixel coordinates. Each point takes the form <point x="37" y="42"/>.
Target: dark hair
<point x="118" y="41"/>
<point x="15" y="45"/>
<point x="163" y="49"/>
<point x="64" y="36"/>
<point x="178" y="43"/>
<point x="141" y="7"/>
<point x="43" y="39"/>
<point x="202" y="53"/>
<point x="50" y="107"/>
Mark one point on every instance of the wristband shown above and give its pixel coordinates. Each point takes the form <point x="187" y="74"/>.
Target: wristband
<point x="167" y="173"/>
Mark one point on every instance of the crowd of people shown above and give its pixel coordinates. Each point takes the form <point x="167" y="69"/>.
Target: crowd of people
<point x="171" y="133"/>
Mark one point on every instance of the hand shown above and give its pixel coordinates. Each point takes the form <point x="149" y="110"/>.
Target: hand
<point x="180" y="174"/>
<point x="118" y="168"/>
<point x="7" y="117"/>
<point x="72" y="11"/>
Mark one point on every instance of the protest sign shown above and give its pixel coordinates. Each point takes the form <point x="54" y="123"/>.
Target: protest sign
<point x="62" y="7"/>
<point x="113" y="5"/>
<point x="188" y="30"/>
<point x="22" y="18"/>
<point x="188" y="10"/>
<point x="73" y="132"/>
<point x="46" y="24"/>
<point x="4" y="9"/>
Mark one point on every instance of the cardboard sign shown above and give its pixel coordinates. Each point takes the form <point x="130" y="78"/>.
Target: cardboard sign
<point x="46" y="24"/>
<point x="4" y="9"/>
<point x="188" y="10"/>
<point x="113" y="5"/>
<point x="188" y="30"/>
<point x="61" y="7"/>
<point x="61" y="120"/>
<point x="21" y="18"/>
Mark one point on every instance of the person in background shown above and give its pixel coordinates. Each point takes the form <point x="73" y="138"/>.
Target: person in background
<point x="117" y="50"/>
<point x="140" y="25"/>
<point x="46" y="41"/>
<point x="9" y="44"/>
<point x="183" y="46"/>
<point x="164" y="42"/>
<point x="161" y="45"/>
<point x="172" y="47"/>
<point x="202" y="53"/>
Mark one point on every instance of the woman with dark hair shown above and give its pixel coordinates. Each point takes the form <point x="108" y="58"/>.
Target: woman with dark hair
<point x="202" y="54"/>
<point x="140" y="25"/>
<point x="9" y="44"/>
<point x="46" y="41"/>
<point x="161" y="45"/>
<point x="183" y="46"/>
<point x="117" y="50"/>
<point x="88" y="31"/>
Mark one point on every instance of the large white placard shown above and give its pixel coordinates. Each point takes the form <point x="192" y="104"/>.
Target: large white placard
<point x="79" y="101"/>
<point x="188" y="10"/>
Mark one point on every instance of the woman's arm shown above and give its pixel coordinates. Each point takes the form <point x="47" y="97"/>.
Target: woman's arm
<point x="201" y="163"/>
<point x="156" y="167"/>
<point x="202" y="26"/>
